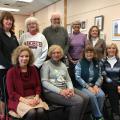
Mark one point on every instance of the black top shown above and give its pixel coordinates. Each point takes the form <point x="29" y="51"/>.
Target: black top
<point x="7" y="45"/>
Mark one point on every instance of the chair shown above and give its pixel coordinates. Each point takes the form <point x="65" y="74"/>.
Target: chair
<point x="6" y="112"/>
<point x="52" y="107"/>
<point x="107" y="110"/>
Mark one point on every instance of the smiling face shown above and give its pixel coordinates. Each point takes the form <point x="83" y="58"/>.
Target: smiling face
<point x="89" y="55"/>
<point x="76" y="28"/>
<point x="55" y="21"/>
<point x="23" y="58"/>
<point x="111" y="50"/>
<point x="7" y="24"/>
<point x="94" y="32"/>
<point x="56" y="54"/>
<point x="32" y="27"/>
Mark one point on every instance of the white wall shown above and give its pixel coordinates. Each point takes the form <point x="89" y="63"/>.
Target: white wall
<point x="45" y="14"/>
<point x="88" y="9"/>
<point x="19" y="23"/>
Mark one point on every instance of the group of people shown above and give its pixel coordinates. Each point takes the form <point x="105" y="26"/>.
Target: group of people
<point x="34" y="66"/>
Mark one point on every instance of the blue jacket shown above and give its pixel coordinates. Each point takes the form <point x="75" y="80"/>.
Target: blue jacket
<point x="82" y="73"/>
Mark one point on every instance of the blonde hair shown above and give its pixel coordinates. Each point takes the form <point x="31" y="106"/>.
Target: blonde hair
<point x="16" y="53"/>
<point x="33" y="20"/>
<point x="112" y="44"/>
<point x="52" y="48"/>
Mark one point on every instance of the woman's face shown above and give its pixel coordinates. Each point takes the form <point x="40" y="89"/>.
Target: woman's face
<point x="89" y="55"/>
<point x="76" y="28"/>
<point x="56" y="55"/>
<point x="32" y="27"/>
<point x="111" y="51"/>
<point x="23" y="58"/>
<point x="7" y="24"/>
<point x="94" y="32"/>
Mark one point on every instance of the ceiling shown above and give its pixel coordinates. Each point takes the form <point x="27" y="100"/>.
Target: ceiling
<point x="26" y="8"/>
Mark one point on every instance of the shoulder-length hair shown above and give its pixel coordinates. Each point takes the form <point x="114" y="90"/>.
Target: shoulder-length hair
<point x="32" y="20"/>
<point x="112" y="44"/>
<point x="16" y="53"/>
<point x="7" y="15"/>
<point x="91" y="49"/>
<point x="52" y="48"/>
<point x="90" y="30"/>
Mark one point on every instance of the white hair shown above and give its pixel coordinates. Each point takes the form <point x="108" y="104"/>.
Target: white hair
<point x="33" y="20"/>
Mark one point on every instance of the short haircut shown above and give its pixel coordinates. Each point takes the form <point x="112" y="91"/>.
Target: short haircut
<point x="53" y="47"/>
<point x="55" y="15"/>
<point x="112" y="44"/>
<point x="7" y="15"/>
<point x="76" y="23"/>
<point x="17" y="52"/>
<point x="31" y="20"/>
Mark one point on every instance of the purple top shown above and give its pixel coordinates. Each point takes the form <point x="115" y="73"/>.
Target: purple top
<point x="77" y="45"/>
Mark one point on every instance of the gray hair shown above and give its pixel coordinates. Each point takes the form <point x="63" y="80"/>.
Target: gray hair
<point x="29" y="20"/>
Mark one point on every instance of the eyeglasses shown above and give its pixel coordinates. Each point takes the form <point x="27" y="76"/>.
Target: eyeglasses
<point x="76" y="26"/>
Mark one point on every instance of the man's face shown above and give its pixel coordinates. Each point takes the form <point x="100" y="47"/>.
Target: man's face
<point x="55" y="21"/>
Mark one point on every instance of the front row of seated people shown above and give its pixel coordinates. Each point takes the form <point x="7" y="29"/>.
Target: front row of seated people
<point x="24" y="88"/>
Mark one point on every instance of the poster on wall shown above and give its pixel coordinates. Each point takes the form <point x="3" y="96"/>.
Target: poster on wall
<point x="116" y="29"/>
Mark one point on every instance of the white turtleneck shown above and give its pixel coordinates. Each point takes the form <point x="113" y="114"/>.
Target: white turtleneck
<point x="112" y="60"/>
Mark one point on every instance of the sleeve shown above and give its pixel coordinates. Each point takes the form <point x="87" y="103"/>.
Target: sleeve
<point x="100" y="78"/>
<point x="39" y="61"/>
<point x="103" y="71"/>
<point x="45" y="73"/>
<point x="104" y="47"/>
<point x="69" y="82"/>
<point x="78" y="76"/>
<point x="10" y="86"/>
<point x="44" y="32"/>
<point x="3" y="60"/>
<point x="67" y="42"/>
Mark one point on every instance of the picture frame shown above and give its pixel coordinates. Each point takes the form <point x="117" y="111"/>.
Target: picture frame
<point x="116" y="29"/>
<point x="83" y="25"/>
<point x="99" y="21"/>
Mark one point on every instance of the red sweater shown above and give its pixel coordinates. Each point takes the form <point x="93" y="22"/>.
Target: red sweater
<point x="16" y="87"/>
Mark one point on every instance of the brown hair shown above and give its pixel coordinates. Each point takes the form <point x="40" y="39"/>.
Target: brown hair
<point x="7" y="15"/>
<point x="89" y="48"/>
<point x="89" y="35"/>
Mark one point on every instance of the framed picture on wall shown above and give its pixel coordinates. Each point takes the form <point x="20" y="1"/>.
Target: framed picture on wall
<point x="99" y="21"/>
<point x="83" y="25"/>
<point x="116" y="29"/>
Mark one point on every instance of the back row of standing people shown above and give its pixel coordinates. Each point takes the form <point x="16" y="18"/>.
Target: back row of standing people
<point x="55" y="34"/>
